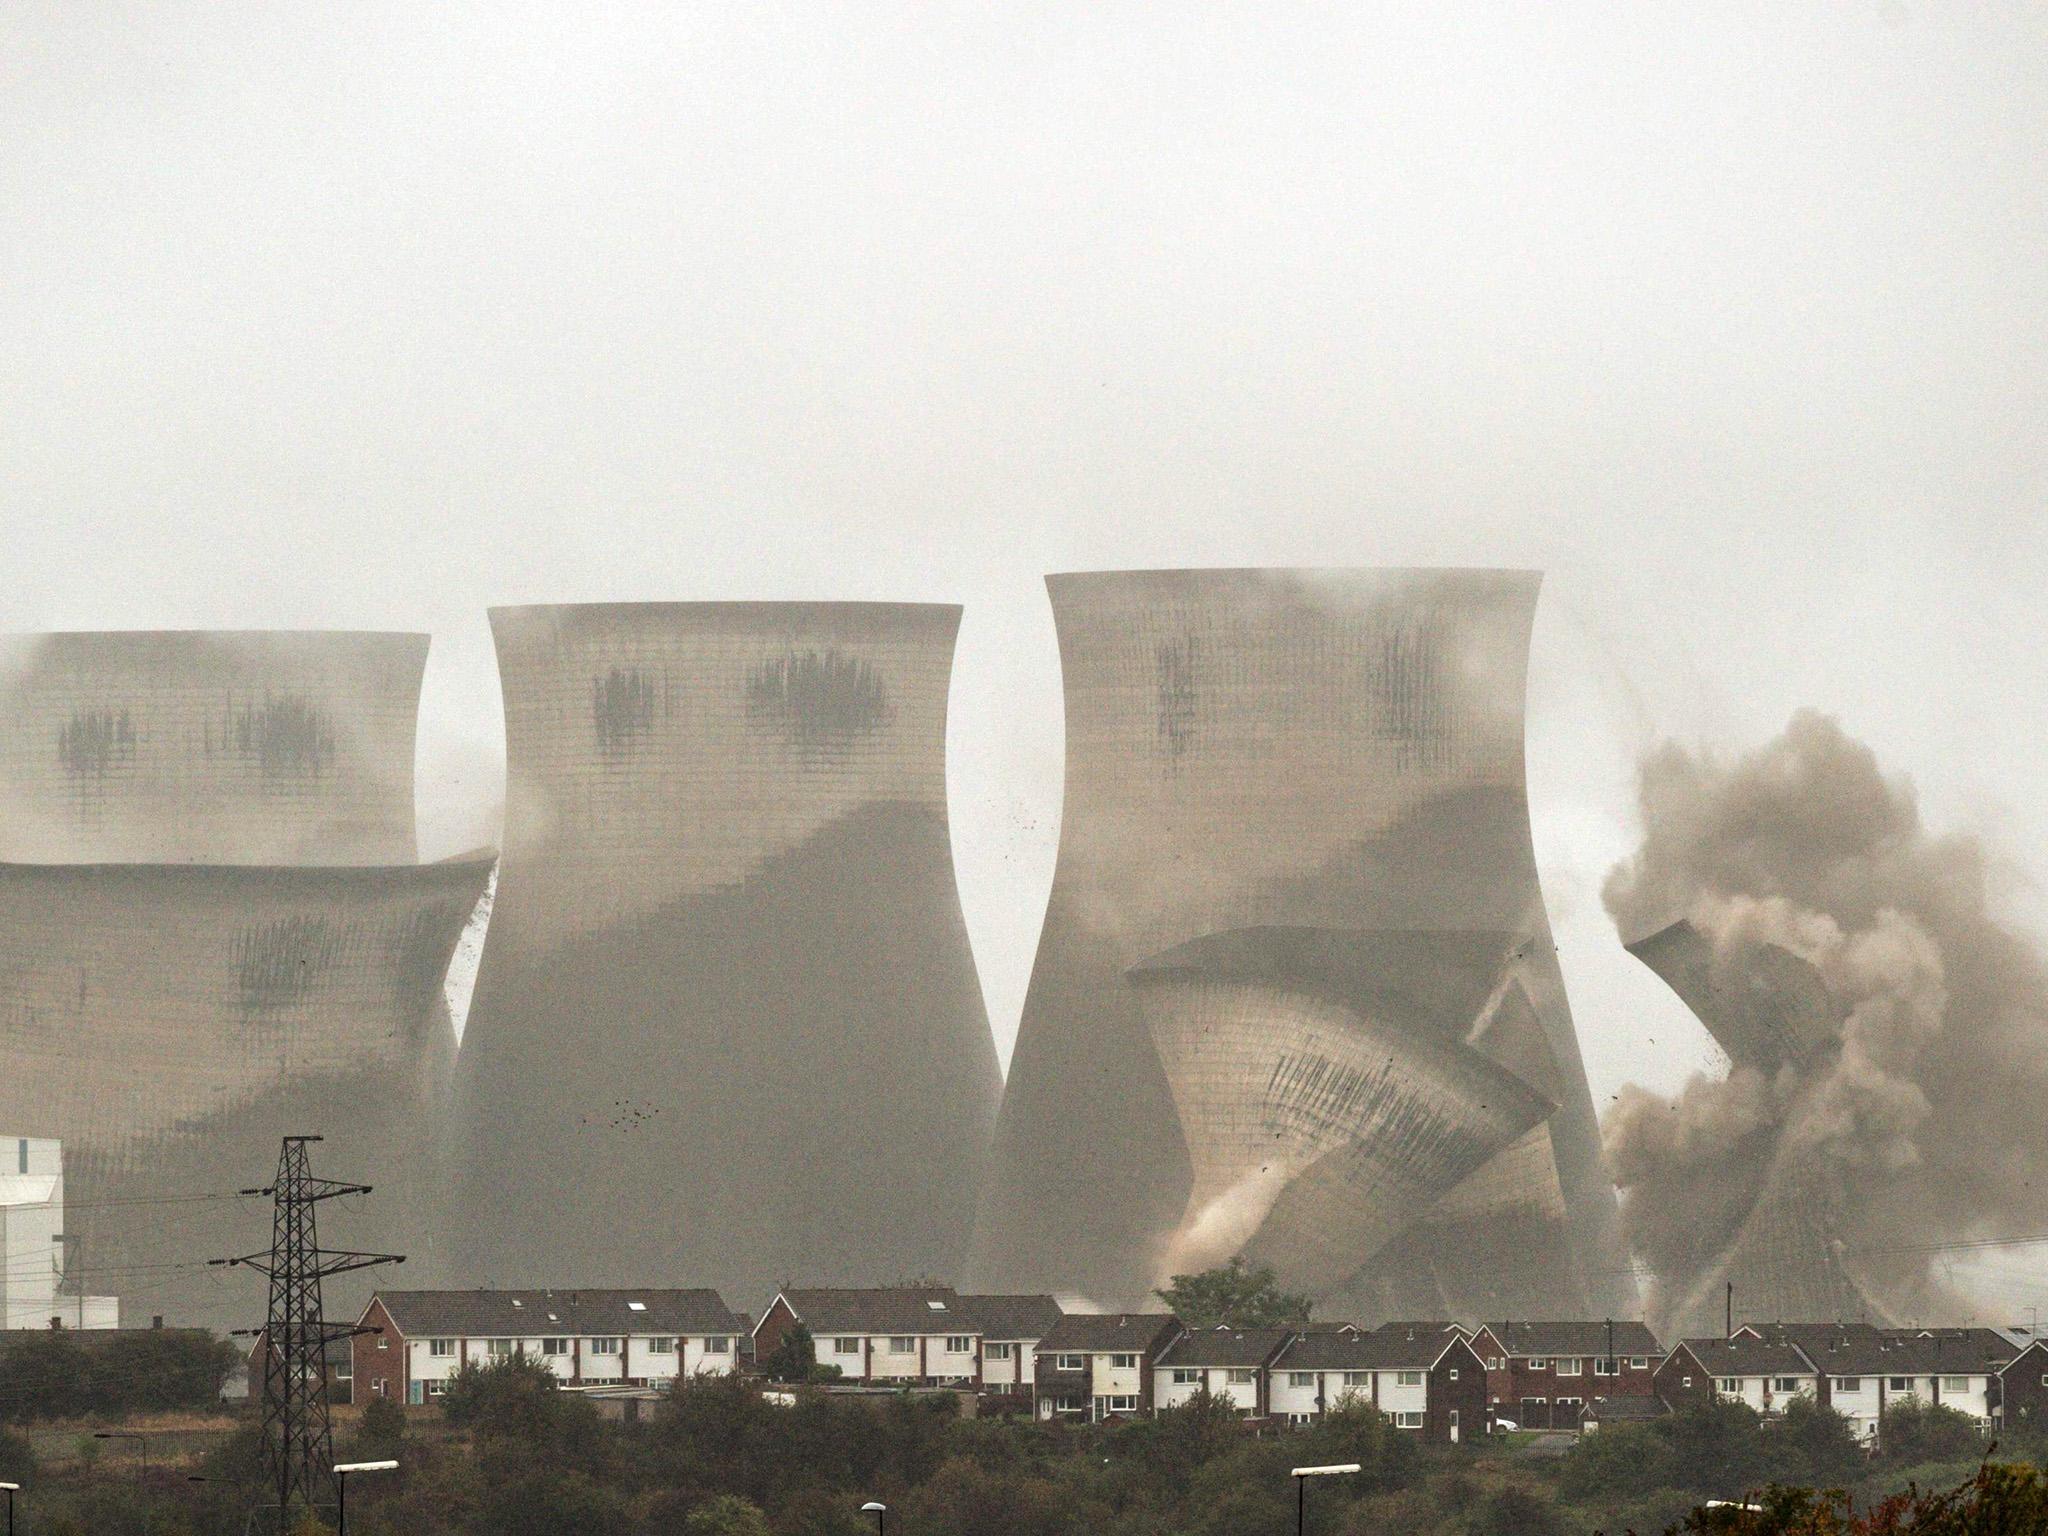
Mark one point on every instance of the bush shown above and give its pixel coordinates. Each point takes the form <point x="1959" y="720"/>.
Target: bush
<point x="1914" y="1431"/>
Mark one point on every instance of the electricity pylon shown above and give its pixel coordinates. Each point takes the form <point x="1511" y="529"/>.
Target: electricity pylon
<point x="298" y="1443"/>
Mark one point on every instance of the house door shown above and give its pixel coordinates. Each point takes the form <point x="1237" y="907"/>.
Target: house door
<point x="1454" y="1426"/>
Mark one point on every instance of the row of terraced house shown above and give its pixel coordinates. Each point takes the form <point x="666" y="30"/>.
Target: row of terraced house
<point x="1027" y="1354"/>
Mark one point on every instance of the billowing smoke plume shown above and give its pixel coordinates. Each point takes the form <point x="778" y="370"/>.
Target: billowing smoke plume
<point x="1908" y="1117"/>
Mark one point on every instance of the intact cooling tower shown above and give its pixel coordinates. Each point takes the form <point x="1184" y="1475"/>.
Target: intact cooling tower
<point x="727" y="1024"/>
<point x="171" y="1023"/>
<point x="1295" y="996"/>
<point x="265" y="747"/>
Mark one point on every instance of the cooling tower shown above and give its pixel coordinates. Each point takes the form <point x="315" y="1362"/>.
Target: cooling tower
<point x="171" y="1023"/>
<point x="1295" y="894"/>
<point x="1775" y="1235"/>
<point x="727" y="1024"/>
<point x="175" y="747"/>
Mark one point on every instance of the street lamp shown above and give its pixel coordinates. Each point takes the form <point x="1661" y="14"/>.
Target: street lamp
<point x="341" y="1475"/>
<point x="879" y="1511"/>
<point x="1301" y="1477"/>
<point x="10" y="1489"/>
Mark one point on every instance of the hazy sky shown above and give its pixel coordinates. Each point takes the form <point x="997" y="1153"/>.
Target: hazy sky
<point x="1733" y="318"/>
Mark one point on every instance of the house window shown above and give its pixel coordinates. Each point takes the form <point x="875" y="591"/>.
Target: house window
<point x="1606" y="1367"/>
<point x="1187" y="1378"/>
<point x="718" y="1344"/>
<point x="604" y="1346"/>
<point x="383" y="1341"/>
<point x="1407" y="1421"/>
<point x="1899" y="1384"/>
<point x="440" y="1349"/>
<point x="1955" y="1383"/>
<point x="1848" y="1383"/>
<point x="1639" y="1362"/>
<point x="1358" y="1378"/>
<point x="1242" y="1378"/>
<point x="437" y="1389"/>
<point x="1298" y="1420"/>
<point x="1301" y="1378"/>
<point x="554" y="1349"/>
<point x="1685" y="1381"/>
<point x="1729" y="1384"/>
<point x="1454" y="1373"/>
<point x="1495" y="1363"/>
<point x="960" y="1344"/>
<point x="1788" y="1384"/>
<point x="1539" y="1363"/>
<point x="661" y="1346"/>
<point x="1069" y="1363"/>
<point x="1407" y="1378"/>
<point x="1570" y="1365"/>
<point x="846" y="1346"/>
<point x="1119" y="1404"/>
<point x="1123" y="1362"/>
<point x="498" y="1349"/>
<point x="996" y="1351"/>
<point x="377" y="1386"/>
<point x="902" y="1344"/>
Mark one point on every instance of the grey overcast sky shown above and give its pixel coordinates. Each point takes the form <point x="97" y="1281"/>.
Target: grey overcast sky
<point x="1731" y="317"/>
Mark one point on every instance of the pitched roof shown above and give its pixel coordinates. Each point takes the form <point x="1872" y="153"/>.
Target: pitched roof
<point x="1012" y="1317"/>
<point x="1116" y="1332"/>
<point x="903" y="1309"/>
<point x="1575" y="1338"/>
<point x="539" y="1314"/>
<point x="1384" y="1349"/>
<point x="1935" y="1352"/>
<point x="1745" y="1356"/>
<point x="1234" y="1347"/>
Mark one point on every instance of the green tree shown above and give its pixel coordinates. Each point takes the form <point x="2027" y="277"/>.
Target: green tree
<point x="726" y="1515"/>
<point x="1238" y="1294"/>
<point x="794" y="1357"/>
<point x="1816" y="1446"/>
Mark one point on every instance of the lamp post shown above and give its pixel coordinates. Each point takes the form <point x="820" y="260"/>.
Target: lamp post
<point x="1301" y="1477"/>
<point x="341" y="1476"/>
<point x="10" y="1489"/>
<point x="879" y="1511"/>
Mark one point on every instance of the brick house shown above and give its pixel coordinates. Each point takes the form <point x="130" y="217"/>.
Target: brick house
<point x="1100" y="1364"/>
<point x="1541" y="1375"/>
<point x="586" y="1337"/>
<point x="1228" y="1363"/>
<point x="2023" y="1389"/>
<point x="1682" y="1381"/>
<point x="1422" y="1377"/>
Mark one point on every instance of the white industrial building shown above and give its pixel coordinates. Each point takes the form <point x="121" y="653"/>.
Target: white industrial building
<point x="32" y="1289"/>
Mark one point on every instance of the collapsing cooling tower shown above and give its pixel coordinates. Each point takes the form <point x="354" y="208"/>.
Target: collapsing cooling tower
<point x="1777" y="1237"/>
<point x="263" y="747"/>
<point x="1295" y="995"/>
<point x="171" y="1023"/>
<point x="727" y="1025"/>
